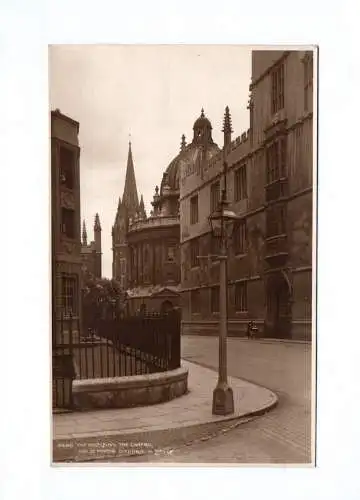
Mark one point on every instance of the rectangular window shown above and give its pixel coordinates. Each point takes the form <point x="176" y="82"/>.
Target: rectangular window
<point x="276" y="160"/>
<point x="277" y="88"/>
<point x="122" y="266"/>
<point x="240" y="183"/>
<point x="195" y="301"/>
<point x="241" y="297"/>
<point x="69" y="303"/>
<point x="68" y="222"/>
<point x="283" y="155"/>
<point x="194" y="253"/>
<point x="171" y="252"/>
<point x="308" y="80"/>
<point x="215" y="299"/>
<point x="67" y="167"/>
<point x="214" y="196"/>
<point x="194" y="210"/>
<point x="275" y="221"/>
<point x="239" y="237"/>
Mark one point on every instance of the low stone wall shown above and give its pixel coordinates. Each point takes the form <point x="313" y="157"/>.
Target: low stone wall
<point x="126" y="392"/>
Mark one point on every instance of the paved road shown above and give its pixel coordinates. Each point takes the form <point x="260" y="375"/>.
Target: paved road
<point x="281" y="436"/>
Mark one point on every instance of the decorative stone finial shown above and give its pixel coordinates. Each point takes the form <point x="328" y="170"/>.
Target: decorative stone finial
<point x="227" y="129"/>
<point x="84" y="234"/>
<point x="97" y="226"/>
<point x="183" y="143"/>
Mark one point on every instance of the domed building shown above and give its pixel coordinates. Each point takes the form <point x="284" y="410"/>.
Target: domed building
<point x="146" y="250"/>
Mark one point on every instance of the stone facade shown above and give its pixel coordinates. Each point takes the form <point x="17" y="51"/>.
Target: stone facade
<point x="65" y="213"/>
<point x="154" y="270"/>
<point x="146" y="258"/>
<point x="151" y="245"/>
<point x="269" y="185"/>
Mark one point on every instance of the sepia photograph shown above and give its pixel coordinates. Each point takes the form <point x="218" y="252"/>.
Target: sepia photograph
<point x="183" y="204"/>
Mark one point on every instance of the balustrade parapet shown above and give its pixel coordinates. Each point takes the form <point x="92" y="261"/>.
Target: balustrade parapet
<point x="157" y="221"/>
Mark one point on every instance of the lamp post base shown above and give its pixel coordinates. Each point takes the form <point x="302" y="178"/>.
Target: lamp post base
<point x="223" y="400"/>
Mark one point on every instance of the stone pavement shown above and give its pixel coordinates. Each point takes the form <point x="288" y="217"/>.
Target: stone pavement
<point x="282" y="436"/>
<point x="118" y="434"/>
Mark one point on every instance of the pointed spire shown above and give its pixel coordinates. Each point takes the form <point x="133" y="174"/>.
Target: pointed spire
<point x="84" y="234"/>
<point x="130" y="196"/>
<point x="227" y="122"/>
<point x="97" y="226"/>
<point x="142" y="208"/>
<point x="183" y="143"/>
<point x="227" y="129"/>
<point x="202" y="113"/>
<point x="119" y="202"/>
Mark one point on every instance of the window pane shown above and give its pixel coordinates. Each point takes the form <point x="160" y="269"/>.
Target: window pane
<point x="68" y="222"/>
<point x="241" y="297"/>
<point x="67" y="165"/>
<point x="194" y="252"/>
<point x="239" y="237"/>
<point x="194" y="210"/>
<point x="195" y="301"/>
<point x="69" y="294"/>
<point x="214" y="196"/>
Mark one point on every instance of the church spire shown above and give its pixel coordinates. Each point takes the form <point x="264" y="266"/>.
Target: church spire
<point x="84" y="234"/>
<point x="130" y="196"/>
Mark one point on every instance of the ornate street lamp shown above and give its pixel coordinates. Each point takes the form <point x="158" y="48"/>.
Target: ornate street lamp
<point x="221" y="221"/>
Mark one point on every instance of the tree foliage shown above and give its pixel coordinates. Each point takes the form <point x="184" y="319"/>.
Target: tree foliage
<point x="101" y="297"/>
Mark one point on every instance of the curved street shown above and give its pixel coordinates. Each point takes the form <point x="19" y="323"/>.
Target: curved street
<point x="281" y="436"/>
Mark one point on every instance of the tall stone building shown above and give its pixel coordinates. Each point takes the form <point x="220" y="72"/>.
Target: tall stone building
<point x="65" y="214"/>
<point x="146" y="257"/>
<point x="128" y="208"/>
<point x="91" y="253"/>
<point x="269" y="184"/>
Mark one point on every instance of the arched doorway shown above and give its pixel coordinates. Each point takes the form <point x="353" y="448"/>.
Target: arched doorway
<point x="278" y="306"/>
<point x="166" y="307"/>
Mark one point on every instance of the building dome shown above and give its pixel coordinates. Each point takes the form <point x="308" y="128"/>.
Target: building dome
<point x="171" y="175"/>
<point x="202" y="143"/>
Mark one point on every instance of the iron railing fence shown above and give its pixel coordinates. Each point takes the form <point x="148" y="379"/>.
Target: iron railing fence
<point x="116" y="347"/>
<point x="112" y="347"/>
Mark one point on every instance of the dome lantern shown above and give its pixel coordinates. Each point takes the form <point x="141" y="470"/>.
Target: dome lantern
<point x="202" y="130"/>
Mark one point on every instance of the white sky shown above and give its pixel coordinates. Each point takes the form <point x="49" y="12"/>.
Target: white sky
<point x="154" y="93"/>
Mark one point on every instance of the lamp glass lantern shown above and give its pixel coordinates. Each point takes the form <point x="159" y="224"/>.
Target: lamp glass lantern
<point x="222" y="220"/>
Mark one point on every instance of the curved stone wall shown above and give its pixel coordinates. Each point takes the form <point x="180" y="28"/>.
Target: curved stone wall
<point x="126" y="392"/>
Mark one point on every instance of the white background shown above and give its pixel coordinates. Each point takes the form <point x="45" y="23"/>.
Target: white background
<point x="26" y="29"/>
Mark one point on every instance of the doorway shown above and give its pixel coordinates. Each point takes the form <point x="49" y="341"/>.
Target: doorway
<point x="166" y="307"/>
<point x="278" y="308"/>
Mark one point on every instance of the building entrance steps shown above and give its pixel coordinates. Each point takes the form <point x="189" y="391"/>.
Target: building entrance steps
<point x="106" y="434"/>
